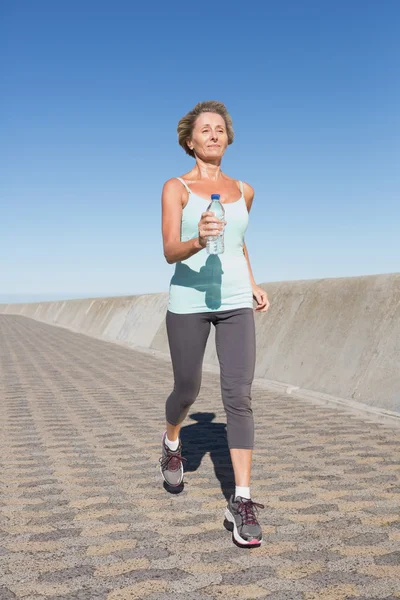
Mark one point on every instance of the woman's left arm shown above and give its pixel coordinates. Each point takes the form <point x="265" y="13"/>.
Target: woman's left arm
<point x="259" y="295"/>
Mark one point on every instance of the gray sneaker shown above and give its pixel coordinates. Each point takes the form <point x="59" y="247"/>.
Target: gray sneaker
<point x="171" y="464"/>
<point x="246" y="529"/>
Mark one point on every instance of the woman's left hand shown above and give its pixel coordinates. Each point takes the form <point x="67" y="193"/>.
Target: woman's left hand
<point x="261" y="297"/>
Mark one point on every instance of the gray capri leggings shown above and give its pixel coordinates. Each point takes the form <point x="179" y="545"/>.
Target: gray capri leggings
<point x="235" y="344"/>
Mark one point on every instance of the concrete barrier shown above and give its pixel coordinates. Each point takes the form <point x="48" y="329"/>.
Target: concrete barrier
<point x="339" y="337"/>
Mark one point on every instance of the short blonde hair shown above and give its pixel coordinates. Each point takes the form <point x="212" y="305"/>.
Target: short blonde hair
<point x="186" y="124"/>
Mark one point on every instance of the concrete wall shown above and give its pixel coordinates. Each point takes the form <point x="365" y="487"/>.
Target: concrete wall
<point x="336" y="336"/>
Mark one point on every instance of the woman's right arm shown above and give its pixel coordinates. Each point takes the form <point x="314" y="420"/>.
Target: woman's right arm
<point x="174" y="249"/>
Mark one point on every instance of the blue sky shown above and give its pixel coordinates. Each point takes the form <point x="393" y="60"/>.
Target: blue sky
<point x="93" y="91"/>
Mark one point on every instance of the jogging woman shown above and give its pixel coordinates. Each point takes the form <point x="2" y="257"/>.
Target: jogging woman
<point x="217" y="289"/>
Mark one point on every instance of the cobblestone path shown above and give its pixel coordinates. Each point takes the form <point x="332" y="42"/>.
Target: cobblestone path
<point x="84" y="514"/>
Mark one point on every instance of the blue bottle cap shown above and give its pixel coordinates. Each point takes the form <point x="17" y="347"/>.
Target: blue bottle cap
<point x="215" y="196"/>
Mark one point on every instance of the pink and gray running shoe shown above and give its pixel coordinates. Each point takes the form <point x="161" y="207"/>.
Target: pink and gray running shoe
<point x="246" y="528"/>
<point x="171" y="464"/>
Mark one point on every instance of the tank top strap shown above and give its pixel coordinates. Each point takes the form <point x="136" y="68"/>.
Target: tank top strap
<point x="241" y="187"/>
<point x="185" y="184"/>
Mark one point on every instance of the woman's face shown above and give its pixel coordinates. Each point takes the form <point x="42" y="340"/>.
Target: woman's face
<point x="209" y="136"/>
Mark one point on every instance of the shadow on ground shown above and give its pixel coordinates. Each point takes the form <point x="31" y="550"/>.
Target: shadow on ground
<point x="202" y="437"/>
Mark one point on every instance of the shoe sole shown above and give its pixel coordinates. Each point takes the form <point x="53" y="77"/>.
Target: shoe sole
<point x="229" y="517"/>
<point x="172" y="484"/>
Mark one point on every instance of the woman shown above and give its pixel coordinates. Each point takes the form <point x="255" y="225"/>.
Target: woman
<point x="217" y="289"/>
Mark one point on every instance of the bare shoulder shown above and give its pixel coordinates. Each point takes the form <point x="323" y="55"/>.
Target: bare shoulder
<point x="172" y="185"/>
<point x="248" y="192"/>
<point x="173" y="192"/>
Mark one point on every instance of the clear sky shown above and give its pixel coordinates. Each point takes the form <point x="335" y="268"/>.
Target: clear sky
<point x="91" y="95"/>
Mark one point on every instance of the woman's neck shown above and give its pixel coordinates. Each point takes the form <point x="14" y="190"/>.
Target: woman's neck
<point x="206" y="170"/>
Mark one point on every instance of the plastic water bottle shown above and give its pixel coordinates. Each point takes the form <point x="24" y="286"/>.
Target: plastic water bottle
<point x="215" y="244"/>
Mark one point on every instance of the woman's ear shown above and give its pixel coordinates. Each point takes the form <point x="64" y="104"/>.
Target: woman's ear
<point x="189" y="144"/>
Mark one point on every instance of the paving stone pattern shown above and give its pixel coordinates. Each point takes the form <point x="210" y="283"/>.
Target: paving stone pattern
<point x="84" y="514"/>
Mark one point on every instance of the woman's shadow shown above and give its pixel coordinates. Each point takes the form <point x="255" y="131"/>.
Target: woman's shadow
<point x="207" y="280"/>
<point x="205" y="436"/>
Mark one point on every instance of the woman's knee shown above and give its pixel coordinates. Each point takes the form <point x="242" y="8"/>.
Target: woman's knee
<point x="183" y="396"/>
<point x="187" y="390"/>
<point x="237" y="400"/>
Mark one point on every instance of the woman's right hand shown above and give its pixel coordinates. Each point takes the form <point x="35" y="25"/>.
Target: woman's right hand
<point x="209" y="225"/>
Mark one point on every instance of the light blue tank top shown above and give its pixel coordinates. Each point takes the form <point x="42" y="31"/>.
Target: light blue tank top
<point x="209" y="283"/>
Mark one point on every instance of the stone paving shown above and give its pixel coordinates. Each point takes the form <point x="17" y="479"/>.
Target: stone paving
<point x="84" y="514"/>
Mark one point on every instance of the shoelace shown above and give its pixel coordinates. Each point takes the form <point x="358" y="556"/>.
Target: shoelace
<point x="172" y="461"/>
<point x="246" y="511"/>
